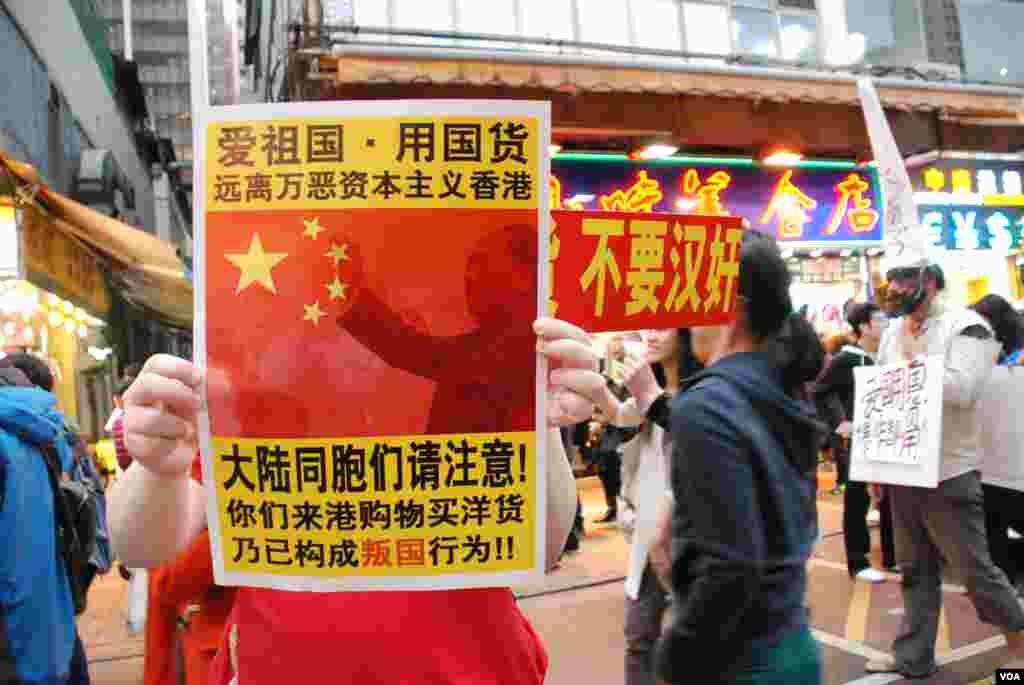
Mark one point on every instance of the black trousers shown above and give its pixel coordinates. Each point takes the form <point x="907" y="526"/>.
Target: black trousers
<point x="841" y="458"/>
<point x="610" y="473"/>
<point x="1004" y="509"/>
<point x="856" y="536"/>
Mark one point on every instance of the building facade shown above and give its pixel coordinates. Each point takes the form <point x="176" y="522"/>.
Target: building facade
<point x="75" y="113"/>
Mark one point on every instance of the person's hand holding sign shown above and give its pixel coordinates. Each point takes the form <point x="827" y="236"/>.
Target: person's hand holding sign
<point x="640" y="380"/>
<point x="576" y="387"/>
<point x="161" y="409"/>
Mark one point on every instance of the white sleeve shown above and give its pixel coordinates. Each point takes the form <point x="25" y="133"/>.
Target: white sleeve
<point x="969" y="364"/>
<point x="630" y="413"/>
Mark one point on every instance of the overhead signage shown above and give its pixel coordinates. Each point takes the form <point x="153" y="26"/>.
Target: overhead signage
<point x="810" y="202"/>
<point x="972" y="227"/>
<point x="971" y="203"/>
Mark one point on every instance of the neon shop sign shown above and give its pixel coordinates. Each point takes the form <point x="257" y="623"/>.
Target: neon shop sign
<point x="971" y="227"/>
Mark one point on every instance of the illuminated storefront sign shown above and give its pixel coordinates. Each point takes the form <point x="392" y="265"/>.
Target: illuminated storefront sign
<point x="971" y="202"/>
<point x="809" y="202"/>
<point x="966" y="227"/>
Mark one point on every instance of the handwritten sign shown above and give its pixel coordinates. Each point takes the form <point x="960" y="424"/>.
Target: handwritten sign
<point x="626" y="271"/>
<point x="367" y="279"/>
<point x="897" y="427"/>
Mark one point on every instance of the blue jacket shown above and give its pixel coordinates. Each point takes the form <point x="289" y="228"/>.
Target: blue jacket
<point x="743" y="475"/>
<point x="35" y="597"/>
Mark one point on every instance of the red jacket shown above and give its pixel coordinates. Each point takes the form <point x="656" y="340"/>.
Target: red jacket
<point x="173" y="588"/>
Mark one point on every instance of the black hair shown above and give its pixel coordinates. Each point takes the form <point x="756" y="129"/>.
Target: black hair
<point x="12" y="376"/>
<point x="1004" y="319"/>
<point x="913" y="273"/>
<point x="797" y="352"/>
<point x="33" y="367"/>
<point x="764" y="283"/>
<point x="688" y="362"/>
<point x="860" y="315"/>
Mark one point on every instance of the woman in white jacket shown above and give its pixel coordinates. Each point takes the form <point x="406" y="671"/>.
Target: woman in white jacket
<point x="653" y="376"/>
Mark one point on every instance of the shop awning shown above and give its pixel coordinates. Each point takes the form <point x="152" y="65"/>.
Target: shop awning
<point x="146" y="267"/>
<point x="355" y="67"/>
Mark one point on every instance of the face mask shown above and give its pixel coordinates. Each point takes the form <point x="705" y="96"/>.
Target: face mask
<point x="908" y="303"/>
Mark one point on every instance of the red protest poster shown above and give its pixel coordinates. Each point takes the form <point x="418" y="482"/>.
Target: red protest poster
<point x="367" y="283"/>
<point x="628" y="271"/>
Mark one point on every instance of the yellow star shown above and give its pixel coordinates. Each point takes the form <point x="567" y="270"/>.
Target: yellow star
<point x="337" y="289"/>
<point x="313" y="313"/>
<point x="256" y="265"/>
<point x="313" y="227"/>
<point x="338" y="253"/>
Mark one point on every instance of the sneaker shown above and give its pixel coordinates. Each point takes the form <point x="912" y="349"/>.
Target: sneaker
<point x="888" y="665"/>
<point x="870" y="575"/>
<point x="874" y="518"/>
<point x="1012" y="534"/>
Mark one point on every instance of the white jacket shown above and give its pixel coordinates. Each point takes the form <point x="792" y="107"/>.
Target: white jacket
<point x="1001" y="430"/>
<point x="645" y="488"/>
<point x="968" y="364"/>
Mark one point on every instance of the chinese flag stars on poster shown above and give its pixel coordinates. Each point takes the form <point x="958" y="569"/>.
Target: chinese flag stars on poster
<point x="256" y="268"/>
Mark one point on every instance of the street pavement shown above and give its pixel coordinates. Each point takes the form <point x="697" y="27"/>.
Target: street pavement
<point x="578" y="611"/>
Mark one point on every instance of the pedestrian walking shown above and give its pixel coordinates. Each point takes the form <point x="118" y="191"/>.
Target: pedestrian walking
<point x="653" y="375"/>
<point x="836" y="389"/>
<point x="1002" y="462"/>
<point x="947" y="523"/>
<point x="744" y="461"/>
<point x="38" y="640"/>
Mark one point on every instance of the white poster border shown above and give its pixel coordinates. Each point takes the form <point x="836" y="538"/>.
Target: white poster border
<point x="203" y="117"/>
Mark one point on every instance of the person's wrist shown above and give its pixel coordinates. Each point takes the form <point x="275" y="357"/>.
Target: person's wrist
<point x="648" y="397"/>
<point x="165" y="474"/>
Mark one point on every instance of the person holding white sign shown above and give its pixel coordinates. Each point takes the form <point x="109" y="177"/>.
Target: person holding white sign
<point x="947" y="522"/>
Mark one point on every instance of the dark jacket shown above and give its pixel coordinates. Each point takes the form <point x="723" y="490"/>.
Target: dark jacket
<point x="743" y="475"/>
<point x="838" y="381"/>
<point x="605" y="451"/>
<point x="37" y="618"/>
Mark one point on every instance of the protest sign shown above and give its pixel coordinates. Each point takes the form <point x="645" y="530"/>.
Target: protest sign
<point x="897" y="423"/>
<point x="367" y="276"/>
<point x="627" y="271"/>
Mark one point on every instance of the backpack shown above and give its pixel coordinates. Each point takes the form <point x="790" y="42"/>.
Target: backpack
<point x="84" y="471"/>
<point x="75" y="516"/>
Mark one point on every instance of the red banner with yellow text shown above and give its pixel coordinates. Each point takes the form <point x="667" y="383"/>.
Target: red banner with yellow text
<point x="614" y="271"/>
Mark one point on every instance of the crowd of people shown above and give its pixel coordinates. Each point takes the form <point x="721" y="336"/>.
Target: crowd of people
<point x="707" y="442"/>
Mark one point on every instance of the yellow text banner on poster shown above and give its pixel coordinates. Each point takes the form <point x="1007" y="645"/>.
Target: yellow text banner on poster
<point x="373" y="162"/>
<point x="403" y="506"/>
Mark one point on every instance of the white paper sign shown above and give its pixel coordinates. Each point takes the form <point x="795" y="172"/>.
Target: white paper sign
<point x="897" y="424"/>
